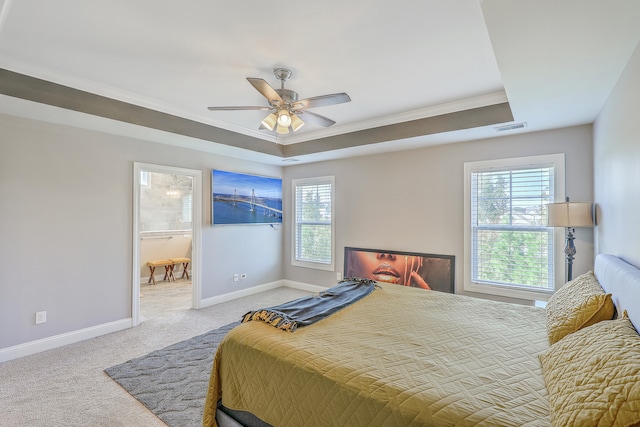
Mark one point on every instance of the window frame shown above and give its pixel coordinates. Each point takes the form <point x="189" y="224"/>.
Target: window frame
<point x="558" y="162"/>
<point x="295" y="183"/>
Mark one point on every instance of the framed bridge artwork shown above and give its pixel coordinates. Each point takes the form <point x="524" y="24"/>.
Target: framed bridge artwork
<point x="425" y="271"/>
<point x="238" y="198"/>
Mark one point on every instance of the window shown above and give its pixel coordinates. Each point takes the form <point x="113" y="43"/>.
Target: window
<point x="187" y="208"/>
<point x="510" y="250"/>
<point x="313" y="234"/>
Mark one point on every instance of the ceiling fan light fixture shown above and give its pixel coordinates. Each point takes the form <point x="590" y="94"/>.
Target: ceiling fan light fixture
<point x="284" y="119"/>
<point x="284" y="105"/>
<point x="270" y="121"/>
<point x="296" y="123"/>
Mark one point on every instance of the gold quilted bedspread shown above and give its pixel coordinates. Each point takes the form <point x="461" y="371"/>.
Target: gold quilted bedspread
<point x="399" y="357"/>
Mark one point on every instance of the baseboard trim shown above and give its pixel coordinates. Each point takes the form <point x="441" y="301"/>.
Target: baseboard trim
<point x="260" y="288"/>
<point x="37" y="346"/>
<point x="239" y="294"/>
<point x="304" y="286"/>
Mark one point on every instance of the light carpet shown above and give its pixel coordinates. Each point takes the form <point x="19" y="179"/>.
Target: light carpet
<point x="172" y="382"/>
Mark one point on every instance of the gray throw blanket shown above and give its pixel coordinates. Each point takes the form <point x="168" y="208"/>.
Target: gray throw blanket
<point x="307" y="310"/>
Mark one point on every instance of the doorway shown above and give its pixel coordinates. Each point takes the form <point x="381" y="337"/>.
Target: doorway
<point x="166" y="224"/>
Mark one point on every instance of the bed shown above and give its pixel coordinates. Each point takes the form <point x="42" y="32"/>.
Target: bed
<point x="407" y="357"/>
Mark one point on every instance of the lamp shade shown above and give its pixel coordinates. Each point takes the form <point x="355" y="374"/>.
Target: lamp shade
<point x="570" y="214"/>
<point x="296" y="123"/>
<point x="270" y="121"/>
<point x="282" y="129"/>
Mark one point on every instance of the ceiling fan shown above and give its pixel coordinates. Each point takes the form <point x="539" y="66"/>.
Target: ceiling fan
<point x="287" y="111"/>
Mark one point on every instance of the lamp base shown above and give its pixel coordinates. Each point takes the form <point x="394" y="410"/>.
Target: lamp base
<point x="570" y="251"/>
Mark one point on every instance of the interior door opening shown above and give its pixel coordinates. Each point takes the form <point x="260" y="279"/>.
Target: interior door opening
<point x="166" y="241"/>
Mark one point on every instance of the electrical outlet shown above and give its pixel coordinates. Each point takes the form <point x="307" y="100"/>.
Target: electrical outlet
<point x="339" y="275"/>
<point x="41" y="317"/>
<point x="235" y="278"/>
<point x="243" y="276"/>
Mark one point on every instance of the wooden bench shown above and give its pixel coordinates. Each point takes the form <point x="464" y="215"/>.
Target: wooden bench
<point x="168" y="269"/>
<point x="169" y="265"/>
<point x="185" y="264"/>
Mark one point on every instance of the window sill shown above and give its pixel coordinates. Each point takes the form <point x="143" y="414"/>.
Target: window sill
<point x="313" y="265"/>
<point x="527" y="294"/>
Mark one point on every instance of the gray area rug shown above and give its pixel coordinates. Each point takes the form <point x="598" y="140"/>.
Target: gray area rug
<point x="172" y="382"/>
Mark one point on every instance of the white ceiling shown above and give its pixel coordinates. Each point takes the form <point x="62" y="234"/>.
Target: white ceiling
<point x="555" y="62"/>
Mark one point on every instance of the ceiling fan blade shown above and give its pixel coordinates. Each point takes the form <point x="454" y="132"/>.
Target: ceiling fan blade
<point x="322" y="101"/>
<point x="265" y="89"/>
<point x="314" y="118"/>
<point x="239" y="108"/>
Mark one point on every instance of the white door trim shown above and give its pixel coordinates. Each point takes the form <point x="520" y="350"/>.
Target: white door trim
<point x="196" y="250"/>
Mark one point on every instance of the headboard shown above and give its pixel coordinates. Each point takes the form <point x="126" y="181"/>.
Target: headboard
<point x="622" y="281"/>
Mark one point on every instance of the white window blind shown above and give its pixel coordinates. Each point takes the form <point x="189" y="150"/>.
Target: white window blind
<point x="511" y="245"/>
<point x="313" y="234"/>
<point x="509" y="250"/>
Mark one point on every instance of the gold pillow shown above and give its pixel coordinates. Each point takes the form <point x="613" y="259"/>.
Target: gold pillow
<point x="576" y="305"/>
<point x="593" y="376"/>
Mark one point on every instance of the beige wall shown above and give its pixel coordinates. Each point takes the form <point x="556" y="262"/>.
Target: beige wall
<point x="66" y="209"/>
<point x="617" y="167"/>
<point x="413" y="200"/>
